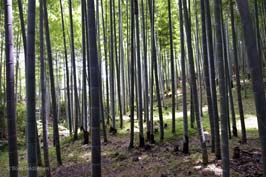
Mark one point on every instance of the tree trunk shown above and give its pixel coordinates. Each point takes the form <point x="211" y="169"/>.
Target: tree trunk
<point x="184" y="91"/>
<point x="206" y="74"/>
<point x="95" y="94"/>
<point x="212" y="81"/>
<point x="132" y="52"/>
<point x="256" y="74"/>
<point x="194" y="86"/>
<point x="145" y="73"/>
<point x="74" y="71"/>
<point x="30" y="92"/>
<point x="67" y="71"/>
<point x="52" y="82"/>
<point x="106" y="60"/>
<point x="257" y="28"/>
<point x="117" y="70"/>
<point x="112" y="89"/>
<point x="155" y="66"/>
<point x="222" y="89"/>
<point x="44" y="94"/>
<point x="22" y="25"/>
<point x="10" y="97"/>
<point x="238" y="85"/>
<point x="139" y="79"/>
<point x="121" y="56"/>
<point x="151" y="103"/>
<point x="1" y="66"/>
<point x="172" y="65"/>
<point x="100" y="74"/>
<point x="84" y="74"/>
<point x="229" y="83"/>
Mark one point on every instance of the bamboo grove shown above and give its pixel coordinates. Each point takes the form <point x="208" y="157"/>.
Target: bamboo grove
<point x="108" y="64"/>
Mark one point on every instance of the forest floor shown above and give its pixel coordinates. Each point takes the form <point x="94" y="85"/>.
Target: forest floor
<point x="162" y="159"/>
<point x="159" y="160"/>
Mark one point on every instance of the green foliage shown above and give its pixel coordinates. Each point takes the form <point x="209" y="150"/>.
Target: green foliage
<point x="162" y="23"/>
<point x="63" y="109"/>
<point x="2" y="120"/>
<point x="21" y="121"/>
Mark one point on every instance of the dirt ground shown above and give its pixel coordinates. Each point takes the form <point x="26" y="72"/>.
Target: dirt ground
<point x="158" y="160"/>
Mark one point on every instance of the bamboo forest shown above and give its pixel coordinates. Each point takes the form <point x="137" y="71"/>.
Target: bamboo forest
<point x="133" y="88"/>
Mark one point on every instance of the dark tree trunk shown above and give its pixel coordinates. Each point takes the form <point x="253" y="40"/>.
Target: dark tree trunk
<point x="1" y="66"/>
<point x="206" y="74"/>
<point x="256" y="74"/>
<point x="155" y="66"/>
<point x="106" y="62"/>
<point x="212" y="81"/>
<point x="95" y="93"/>
<point x="88" y="62"/>
<point x="10" y="96"/>
<point x="172" y="66"/>
<point x="131" y="144"/>
<point x="151" y="104"/>
<point x="84" y="86"/>
<point x="228" y="88"/>
<point x="128" y="56"/>
<point x="74" y="71"/>
<point x="229" y="83"/>
<point x="117" y="62"/>
<point x="198" y="61"/>
<point x="67" y="71"/>
<point x="194" y="86"/>
<point x="238" y="85"/>
<point x="222" y="89"/>
<point x="184" y="91"/>
<point x="22" y="25"/>
<point x="44" y="94"/>
<point x="30" y="93"/>
<point x="112" y="69"/>
<point x="100" y="75"/>
<point x="139" y="79"/>
<point x="192" y="112"/>
<point x="145" y="73"/>
<point x="121" y="57"/>
<point x="52" y="82"/>
<point x="257" y="24"/>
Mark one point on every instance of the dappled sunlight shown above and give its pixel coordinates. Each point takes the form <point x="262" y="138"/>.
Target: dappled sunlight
<point x="168" y="116"/>
<point x="70" y="155"/>
<point x="210" y="169"/>
<point x="204" y="108"/>
<point x="86" y="156"/>
<point x="63" y="131"/>
<point x="250" y="121"/>
<point x="125" y="117"/>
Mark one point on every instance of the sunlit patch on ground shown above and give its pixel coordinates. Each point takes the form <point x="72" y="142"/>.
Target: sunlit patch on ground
<point x="210" y="169"/>
<point x="250" y="121"/>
